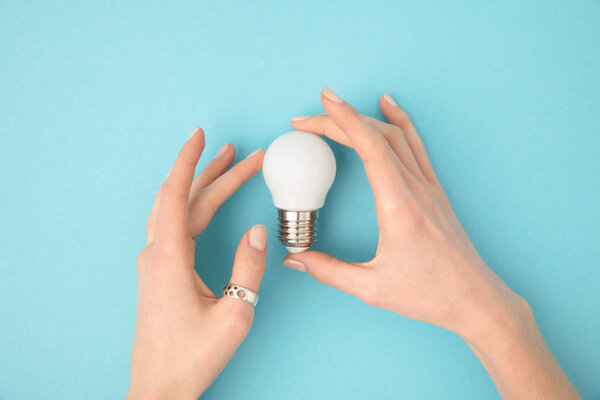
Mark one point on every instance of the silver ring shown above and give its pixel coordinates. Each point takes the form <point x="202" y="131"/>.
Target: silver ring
<point x="241" y="293"/>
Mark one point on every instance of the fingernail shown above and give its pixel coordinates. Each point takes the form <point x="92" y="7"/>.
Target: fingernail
<point x="222" y="150"/>
<point x="196" y="130"/>
<point x="258" y="237"/>
<point x="293" y="264"/>
<point x="298" y="119"/>
<point x="254" y="152"/>
<point x="330" y="94"/>
<point x="390" y="100"/>
<point x="168" y="173"/>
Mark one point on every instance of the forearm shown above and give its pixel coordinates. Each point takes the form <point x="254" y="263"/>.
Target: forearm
<point x="513" y="351"/>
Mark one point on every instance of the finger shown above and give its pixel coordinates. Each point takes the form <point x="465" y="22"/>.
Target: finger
<point x="214" y="169"/>
<point x="398" y="117"/>
<point x="151" y="223"/>
<point x="204" y="205"/>
<point x="322" y="124"/>
<point x="173" y="213"/>
<point x="395" y="136"/>
<point x="250" y="259"/>
<point x="342" y="275"/>
<point x="381" y="164"/>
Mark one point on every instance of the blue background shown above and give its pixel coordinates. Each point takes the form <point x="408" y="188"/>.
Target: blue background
<point x="98" y="97"/>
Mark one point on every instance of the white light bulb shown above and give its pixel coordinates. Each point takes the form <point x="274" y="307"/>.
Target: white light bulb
<point x="299" y="168"/>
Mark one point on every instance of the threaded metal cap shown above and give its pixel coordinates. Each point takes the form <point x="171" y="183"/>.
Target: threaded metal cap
<point x="297" y="229"/>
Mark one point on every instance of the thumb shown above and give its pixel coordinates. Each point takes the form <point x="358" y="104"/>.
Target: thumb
<point x="345" y="276"/>
<point x="250" y="259"/>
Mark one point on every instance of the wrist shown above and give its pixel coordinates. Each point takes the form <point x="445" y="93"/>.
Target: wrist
<point x="489" y="309"/>
<point x="499" y="322"/>
<point x="508" y="343"/>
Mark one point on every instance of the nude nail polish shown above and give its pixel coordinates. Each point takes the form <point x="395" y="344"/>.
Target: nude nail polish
<point x="258" y="237"/>
<point x="196" y="130"/>
<point x="254" y="152"/>
<point x="331" y="95"/>
<point x="299" y="118"/>
<point x="293" y="264"/>
<point x="389" y="100"/>
<point x="222" y="150"/>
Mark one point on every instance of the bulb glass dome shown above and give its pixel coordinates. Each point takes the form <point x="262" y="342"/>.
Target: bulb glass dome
<point x="299" y="169"/>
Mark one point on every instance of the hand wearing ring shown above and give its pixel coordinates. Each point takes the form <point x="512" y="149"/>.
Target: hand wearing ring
<point x="238" y="292"/>
<point x="176" y="310"/>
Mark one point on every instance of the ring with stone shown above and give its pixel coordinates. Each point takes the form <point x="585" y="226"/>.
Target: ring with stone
<point x="240" y="293"/>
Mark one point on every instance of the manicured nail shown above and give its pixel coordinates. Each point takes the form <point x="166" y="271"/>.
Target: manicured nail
<point x="254" y="152"/>
<point x="293" y="264"/>
<point x="222" y="150"/>
<point x="196" y="130"/>
<point x="390" y="100"/>
<point x="258" y="237"/>
<point x="168" y="173"/>
<point x="330" y="94"/>
<point x="298" y="119"/>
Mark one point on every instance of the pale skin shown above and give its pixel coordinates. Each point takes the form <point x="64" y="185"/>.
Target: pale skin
<point x="185" y="335"/>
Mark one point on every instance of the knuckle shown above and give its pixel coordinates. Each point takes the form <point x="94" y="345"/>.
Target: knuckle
<point x="172" y="190"/>
<point x="189" y="162"/>
<point x="150" y="224"/>
<point x="377" y="144"/>
<point x="250" y="268"/>
<point x="164" y="253"/>
<point x="428" y="200"/>
<point x="394" y="130"/>
<point x="321" y="124"/>
<point x="143" y="257"/>
<point x="442" y="199"/>
<point x="373" y="144"/>
<point x="402" y="117"/>
<point x="436" y="185"/>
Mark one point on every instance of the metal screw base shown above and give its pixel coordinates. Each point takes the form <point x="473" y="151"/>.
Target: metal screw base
<point x="297" y="229"/>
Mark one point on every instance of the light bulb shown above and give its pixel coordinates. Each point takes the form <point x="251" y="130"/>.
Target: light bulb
<point x="299" y="169"/>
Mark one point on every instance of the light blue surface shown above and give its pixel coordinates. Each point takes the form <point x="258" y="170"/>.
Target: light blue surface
<point x="96" y="100"/>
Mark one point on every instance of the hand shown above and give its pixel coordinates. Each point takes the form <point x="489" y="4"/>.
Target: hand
<point x="184" y="334"/>
<point x="425" y="266"/>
